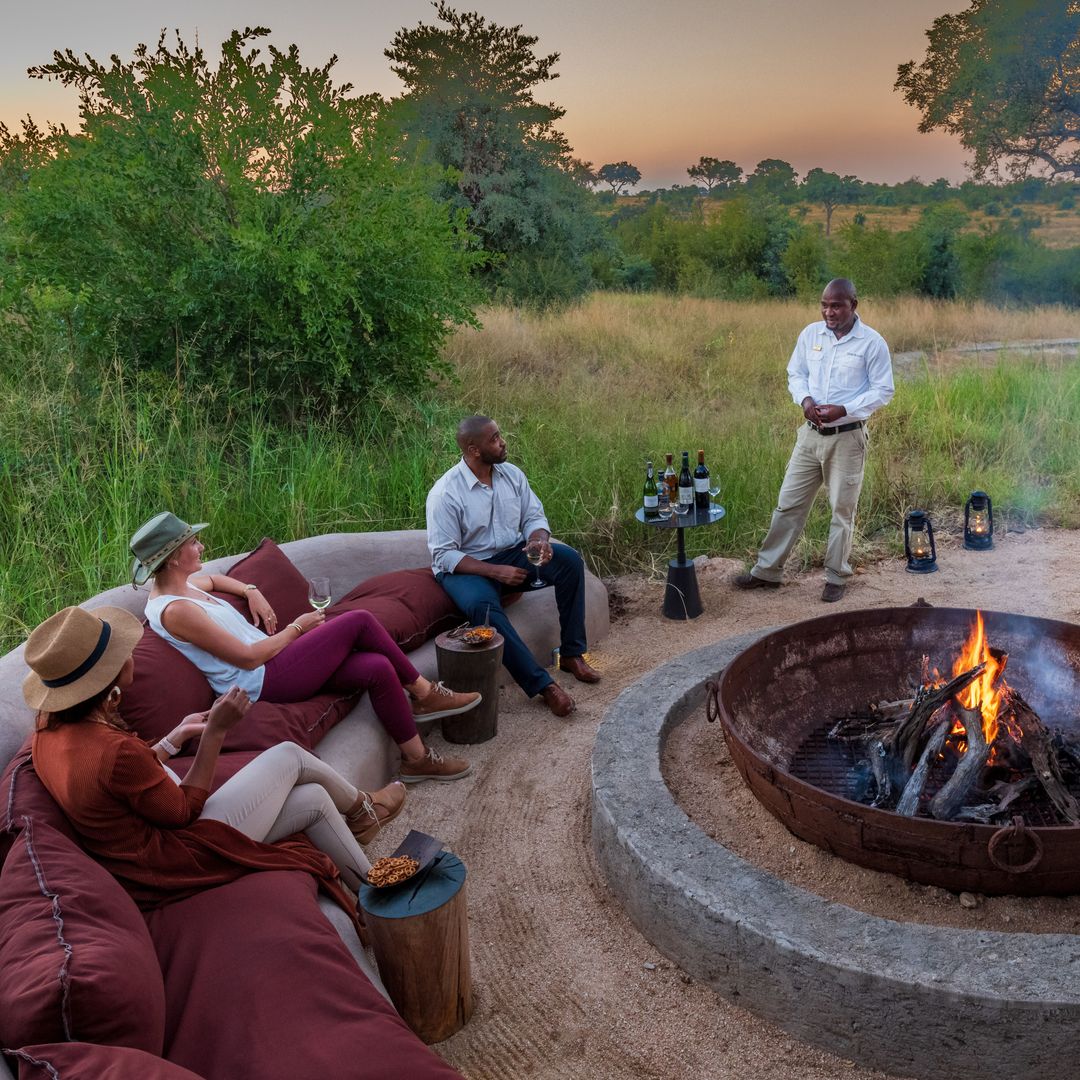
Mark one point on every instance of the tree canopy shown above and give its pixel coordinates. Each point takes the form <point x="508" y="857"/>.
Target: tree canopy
<point x="470" y="106"/>
<point x="243" y="221"/>
<point x="1003" y="75"/>
<point x="621" y="175"/>
<point x="830" y="190"/>
<point x="773" y="176"/>
<point x="713" y="172"/>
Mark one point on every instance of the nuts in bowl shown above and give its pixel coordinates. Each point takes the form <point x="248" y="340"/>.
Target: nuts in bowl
<point x="478" y="635"/>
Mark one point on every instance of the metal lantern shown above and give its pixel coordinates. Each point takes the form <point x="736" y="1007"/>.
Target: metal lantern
<point x="919" y="546"/>
<point x="979" y="522"/>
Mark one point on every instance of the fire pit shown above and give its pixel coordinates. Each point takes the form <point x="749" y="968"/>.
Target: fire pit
<point x="779" y="699"/>
<point x="940" y="1003"/>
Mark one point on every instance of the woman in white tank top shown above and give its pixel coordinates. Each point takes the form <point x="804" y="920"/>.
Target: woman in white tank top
<point x="350" y="652"/>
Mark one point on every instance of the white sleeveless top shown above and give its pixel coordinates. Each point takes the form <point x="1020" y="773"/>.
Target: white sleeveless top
<point x="219" y="674"/>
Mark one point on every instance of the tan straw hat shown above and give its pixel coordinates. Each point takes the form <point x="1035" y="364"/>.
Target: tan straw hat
<point x="156" y="540"/>
<point x="76" y="653"/>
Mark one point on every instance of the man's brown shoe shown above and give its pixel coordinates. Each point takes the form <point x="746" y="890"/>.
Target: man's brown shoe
<point x="748" y="581"/>
<point x="831" y="593"/>
<point x="557" y="699"/>
<point x="578" y="667"/>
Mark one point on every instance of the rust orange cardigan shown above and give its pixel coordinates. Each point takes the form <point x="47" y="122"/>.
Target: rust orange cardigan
<point x="145" y="828"/>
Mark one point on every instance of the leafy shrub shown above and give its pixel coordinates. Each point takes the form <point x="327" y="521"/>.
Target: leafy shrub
<point x="249" y="224"/>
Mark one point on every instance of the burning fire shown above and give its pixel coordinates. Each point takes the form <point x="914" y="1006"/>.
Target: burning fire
<point x="982" y="694"/>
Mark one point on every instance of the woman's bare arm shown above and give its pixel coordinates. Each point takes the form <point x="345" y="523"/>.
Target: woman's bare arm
<point x="188" y="622"/>
<point x="262" y="613"/>
<point x="225" y="713"/>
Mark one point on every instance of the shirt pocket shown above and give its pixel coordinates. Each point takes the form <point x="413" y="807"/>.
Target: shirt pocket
<point x="848" y="372"/>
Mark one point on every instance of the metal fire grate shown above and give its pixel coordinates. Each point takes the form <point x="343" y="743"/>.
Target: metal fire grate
<point x="834" y="767"/>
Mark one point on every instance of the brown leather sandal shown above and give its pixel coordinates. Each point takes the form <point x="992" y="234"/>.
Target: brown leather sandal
<point x="371" y="812"/>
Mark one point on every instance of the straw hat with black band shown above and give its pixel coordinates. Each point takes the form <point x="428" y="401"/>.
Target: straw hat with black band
<point x="155" y="541"/>
<point x="76" y="654"/>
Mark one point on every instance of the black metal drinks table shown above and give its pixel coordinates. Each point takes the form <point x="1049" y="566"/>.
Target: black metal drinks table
<point x="682" y="600"/>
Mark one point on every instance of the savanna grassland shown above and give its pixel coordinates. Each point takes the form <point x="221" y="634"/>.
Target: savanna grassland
<point x="585" y="394"/>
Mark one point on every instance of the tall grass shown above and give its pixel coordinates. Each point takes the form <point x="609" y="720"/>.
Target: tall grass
<point x="584" y="395"/>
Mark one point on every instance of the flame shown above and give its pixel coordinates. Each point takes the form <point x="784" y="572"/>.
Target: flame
<point x="982" y="694"/>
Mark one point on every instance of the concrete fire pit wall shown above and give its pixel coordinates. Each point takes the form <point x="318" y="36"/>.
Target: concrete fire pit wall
<point x="915" y="1000"/>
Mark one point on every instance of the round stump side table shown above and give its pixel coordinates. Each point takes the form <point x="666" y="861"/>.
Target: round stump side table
<point x="420" y="936"/>
<point x="466" y="668"/>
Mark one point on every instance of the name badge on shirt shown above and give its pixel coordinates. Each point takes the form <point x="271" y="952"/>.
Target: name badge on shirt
<point x="816" y="348"/>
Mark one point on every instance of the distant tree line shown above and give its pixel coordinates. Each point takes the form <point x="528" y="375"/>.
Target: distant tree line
<point x="250" y="220"/>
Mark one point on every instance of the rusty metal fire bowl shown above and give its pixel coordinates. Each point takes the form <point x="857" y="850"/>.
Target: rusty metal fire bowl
<point x="775" y="701"/>
<point x="937" y="1003"/>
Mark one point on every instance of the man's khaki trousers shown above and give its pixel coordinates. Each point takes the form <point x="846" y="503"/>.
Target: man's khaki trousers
<point x="837" y="461"/>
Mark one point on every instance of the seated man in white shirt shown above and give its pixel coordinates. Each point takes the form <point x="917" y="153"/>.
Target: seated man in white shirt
<point x="481" y="514"/>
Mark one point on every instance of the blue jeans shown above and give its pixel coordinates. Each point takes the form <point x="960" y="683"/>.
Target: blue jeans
<point x="480" y="597"/>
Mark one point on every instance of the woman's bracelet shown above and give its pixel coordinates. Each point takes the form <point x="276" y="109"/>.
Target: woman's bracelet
<point x="169" y="748"/>
<point x="297" y="627"/>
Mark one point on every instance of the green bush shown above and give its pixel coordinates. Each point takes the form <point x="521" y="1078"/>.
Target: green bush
<point x="247" y="225"/>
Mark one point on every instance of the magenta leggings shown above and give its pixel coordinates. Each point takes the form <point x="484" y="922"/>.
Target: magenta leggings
<point x="350" y="652"/>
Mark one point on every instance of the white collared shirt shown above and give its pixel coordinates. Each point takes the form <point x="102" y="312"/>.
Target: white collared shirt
<point x="466" y="517"/>
<point x="854" y="371"/>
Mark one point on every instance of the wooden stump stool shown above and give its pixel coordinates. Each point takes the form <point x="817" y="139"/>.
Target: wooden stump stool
<point x="420" y="935"/>
<point x="465" y="668"/>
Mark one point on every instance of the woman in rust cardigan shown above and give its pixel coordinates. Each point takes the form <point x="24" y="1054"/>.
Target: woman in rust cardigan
<point x="164" y="838"/>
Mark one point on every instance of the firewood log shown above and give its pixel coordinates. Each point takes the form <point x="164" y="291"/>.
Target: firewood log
<point x="1037" y="741"/>
<point x="950" y="798"/>
<point x="909" y="800"/>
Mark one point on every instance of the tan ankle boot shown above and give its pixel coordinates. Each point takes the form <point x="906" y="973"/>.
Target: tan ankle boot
<point x="371" y="812"/>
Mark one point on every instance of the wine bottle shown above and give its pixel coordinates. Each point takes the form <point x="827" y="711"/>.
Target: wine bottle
<point x="686" y="483"/>
<point x="701" y="483"/>
<point x="649" y="497"/>
<point x="671" y="480"/>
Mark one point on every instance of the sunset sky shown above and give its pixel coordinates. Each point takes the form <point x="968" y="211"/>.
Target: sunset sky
<point x="658" y="84"/>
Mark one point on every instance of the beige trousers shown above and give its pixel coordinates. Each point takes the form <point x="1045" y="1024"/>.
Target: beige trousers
<point x="287" y="790"/>
<point x="837" y="461"/>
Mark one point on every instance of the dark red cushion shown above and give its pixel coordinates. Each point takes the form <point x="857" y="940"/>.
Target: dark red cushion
<point x="410" y="604"/>
<point x="258" y="984"/>
<point x="77" y="960"/>
<point x="88" y="1061"/>
<point x="278" y="579"/>
<point x="23" y="796"/>
<point x="166" y="688"/>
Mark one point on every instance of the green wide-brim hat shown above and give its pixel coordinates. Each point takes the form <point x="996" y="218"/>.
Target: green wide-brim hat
<point x="155" y="541"/>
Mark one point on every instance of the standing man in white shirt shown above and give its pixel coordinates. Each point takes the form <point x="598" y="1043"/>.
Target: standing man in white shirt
<point x="839" y="375"/>
<point x="480" y="516"/>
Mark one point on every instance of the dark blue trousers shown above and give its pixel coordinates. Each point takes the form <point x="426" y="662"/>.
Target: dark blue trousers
<point x="480" y="597"/>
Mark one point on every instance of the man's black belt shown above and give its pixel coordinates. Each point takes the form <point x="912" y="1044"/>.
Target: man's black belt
<point x="835" y="430"/>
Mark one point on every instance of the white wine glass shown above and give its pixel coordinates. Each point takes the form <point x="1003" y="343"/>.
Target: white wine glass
<point x="318" y="592"/>
<point x="714" y="490"/>
<point x="534" y="552"/>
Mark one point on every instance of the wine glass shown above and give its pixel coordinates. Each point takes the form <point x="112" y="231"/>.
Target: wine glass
<point x="318" y="592"/>
<point x="714" y="491"/>
<point x="534" y="552"/>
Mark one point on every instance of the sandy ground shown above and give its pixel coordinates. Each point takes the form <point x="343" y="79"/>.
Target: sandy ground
<point x="565" y="986"/>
